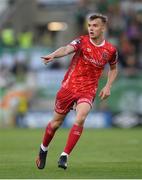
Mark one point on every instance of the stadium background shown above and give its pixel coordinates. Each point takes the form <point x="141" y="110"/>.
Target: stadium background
<point x="30" y="29"/>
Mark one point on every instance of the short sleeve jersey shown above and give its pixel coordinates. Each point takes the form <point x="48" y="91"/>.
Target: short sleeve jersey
<point x="87" y="64"/>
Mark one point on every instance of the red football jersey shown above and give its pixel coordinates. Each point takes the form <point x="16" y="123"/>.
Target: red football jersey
<point x="87" y="65"/>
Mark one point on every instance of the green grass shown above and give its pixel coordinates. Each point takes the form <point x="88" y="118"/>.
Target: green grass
<point x="105" y="153"/>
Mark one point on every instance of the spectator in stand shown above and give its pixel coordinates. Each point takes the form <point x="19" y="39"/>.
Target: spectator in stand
<point x="8" y="37"/>
<point x="82" y="11"/>
<point x="134" y="34"/>
<point x="25" y="39"/>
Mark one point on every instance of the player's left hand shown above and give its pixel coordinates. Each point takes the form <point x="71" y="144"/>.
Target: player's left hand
<point x="104" y="93"/>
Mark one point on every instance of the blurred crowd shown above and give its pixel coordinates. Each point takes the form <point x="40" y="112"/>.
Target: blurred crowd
<point x="124" y="30"/>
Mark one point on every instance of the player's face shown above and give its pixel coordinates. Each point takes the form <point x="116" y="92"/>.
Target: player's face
<point x="96" y="28"/>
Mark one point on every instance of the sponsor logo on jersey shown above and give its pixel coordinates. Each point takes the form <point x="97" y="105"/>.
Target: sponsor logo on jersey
<point x="94" y="61"/>
<point x="88" y="50"/>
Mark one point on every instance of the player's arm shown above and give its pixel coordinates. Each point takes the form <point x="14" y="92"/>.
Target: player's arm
<point x="62" y="51"/>
<point x="112" y="74"/>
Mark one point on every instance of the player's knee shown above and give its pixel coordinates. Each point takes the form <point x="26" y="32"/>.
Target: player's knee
<point x="80" y="119"/>
<point x="56" y="123"/>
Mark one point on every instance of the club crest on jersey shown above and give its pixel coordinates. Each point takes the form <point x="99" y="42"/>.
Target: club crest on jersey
<point x="105" y="55"/>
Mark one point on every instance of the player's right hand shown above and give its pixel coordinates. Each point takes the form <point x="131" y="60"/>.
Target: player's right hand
<point x="47" y="59"/>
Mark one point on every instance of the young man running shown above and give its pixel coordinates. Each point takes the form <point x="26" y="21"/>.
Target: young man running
<point x="92" y="53"/>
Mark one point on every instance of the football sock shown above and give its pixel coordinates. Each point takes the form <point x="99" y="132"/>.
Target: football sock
<point x="73" y="137"/>
<point x="43" y="148"/>
<point x="64" y="154"/>
<point x="48" y="135"/>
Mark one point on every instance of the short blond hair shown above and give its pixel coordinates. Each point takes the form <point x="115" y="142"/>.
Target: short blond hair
<point x="93" y="16"/>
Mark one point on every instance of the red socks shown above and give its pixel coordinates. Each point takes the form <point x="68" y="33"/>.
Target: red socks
<point x="49" y="133"/>
<point x="73" y="137"/>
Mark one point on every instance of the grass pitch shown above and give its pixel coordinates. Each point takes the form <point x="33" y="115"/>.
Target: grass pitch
<point x="105" y="153"/>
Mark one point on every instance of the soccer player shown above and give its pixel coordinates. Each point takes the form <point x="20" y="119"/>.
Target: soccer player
<point x="91" y="53"/>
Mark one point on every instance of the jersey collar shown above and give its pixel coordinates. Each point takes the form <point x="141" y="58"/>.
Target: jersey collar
<point x="102" y="44"/>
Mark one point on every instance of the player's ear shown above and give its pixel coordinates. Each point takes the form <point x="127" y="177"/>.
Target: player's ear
<point x="103" y="28"/>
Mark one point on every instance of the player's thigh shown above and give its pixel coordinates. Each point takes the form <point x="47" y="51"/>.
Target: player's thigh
<point x="64" y="101"/>
<point x="82" y="110"/>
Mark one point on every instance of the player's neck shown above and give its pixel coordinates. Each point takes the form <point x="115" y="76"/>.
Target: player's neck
<point x="98" y="41"/>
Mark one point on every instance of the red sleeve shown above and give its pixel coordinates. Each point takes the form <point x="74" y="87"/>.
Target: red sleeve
<point x="76" y="43"/>
<point x="114" y="57"/>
